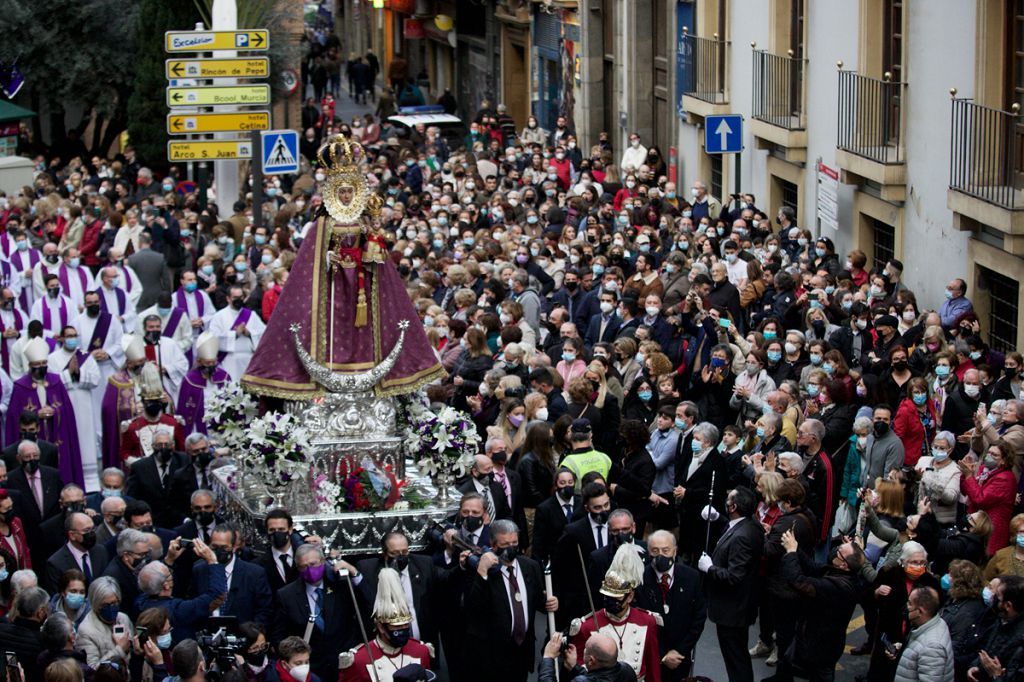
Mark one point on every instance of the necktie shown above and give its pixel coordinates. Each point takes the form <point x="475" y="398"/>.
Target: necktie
<point x="163" y="474"/>
<point x="205" y="480"/>
<point x="600" y="536"/>
<point x="568" y="512"/>
<point x="503" y="480"/>
<point x="37" y="490"/>
<point x="490" y="502"/>
<point x="664" y="585"/>
<point x="319" y="622"/>
<point x="204" y="535"/>
<point x="87" y="568"/>
<point x="518" y="618"/>
<point x="287" y="569"/>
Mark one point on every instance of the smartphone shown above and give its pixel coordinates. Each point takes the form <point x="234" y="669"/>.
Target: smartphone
<point x="142" y="633"/>
<point x="185" y="543"/>
<point x="724" y="322"/>
<point x="889" y="646"/>
<point x="11" y="667"/>
<point x="119" y="630"/>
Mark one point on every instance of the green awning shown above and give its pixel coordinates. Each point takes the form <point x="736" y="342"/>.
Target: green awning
<point x="12" y="112"/>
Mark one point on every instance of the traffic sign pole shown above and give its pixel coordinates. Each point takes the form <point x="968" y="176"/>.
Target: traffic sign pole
<point x="225" y="18"/>
<point x="257" y="179"/>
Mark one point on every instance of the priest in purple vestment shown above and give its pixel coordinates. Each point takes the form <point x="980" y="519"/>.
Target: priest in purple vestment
<point x="121" y="400"/>
<point x="43" y="392"/>
<point x="205" y="377"/>
<point x="346" y="295"/>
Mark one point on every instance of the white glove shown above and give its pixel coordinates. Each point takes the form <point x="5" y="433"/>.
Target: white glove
<point x="704" y="563"/>
<point x="709" y="513"/>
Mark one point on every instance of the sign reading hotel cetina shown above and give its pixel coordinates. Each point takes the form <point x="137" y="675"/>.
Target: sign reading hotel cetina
<point x="203" y="41"/>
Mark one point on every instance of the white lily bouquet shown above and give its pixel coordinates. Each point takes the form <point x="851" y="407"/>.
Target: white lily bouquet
<point x="277" y="447"/>
<point x="228" y="412"/>
<point x="443" y="444"/>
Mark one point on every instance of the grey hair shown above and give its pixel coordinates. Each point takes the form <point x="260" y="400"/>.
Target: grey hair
<point x="30" y="600"/>
<point x="152" y="577"/>
<point x="521" y="278"/>
<point x="772" y="419"/>
<point x="128" y="538"/>
<point x="795" y="461"/>
<point x="200" y="493"/>
<point x="621" y="512"/>
<point x="25" y="444"/>
<point x="112" y="471"/>
<point x="101" y="589"/>
<point x="194" y="438"/>
<point x="504" y="527"/>
<point x="491" y="442"/>
<point x="996" y="405"/>
<point x="163" y="430"/>
<point x="308" y="548"/>
<point x="108" y="503"/>
<point x="24" y="579"/>
<point x="797" y="333"/>
<point x="862" y="424"/>
<point x="699" y="268"/>
<point x="56" y="630"/>
<point x="946" y="436"/>
<point x="816" y="428"/>
<point x="708" y="433"/>
<point x="662" y="535"/>
<point x="910" y="548"/>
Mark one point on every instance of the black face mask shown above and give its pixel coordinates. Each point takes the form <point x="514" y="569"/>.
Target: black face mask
<point x="255" y="659"/>
<point x="152" y="338"/>
<point x="663" y="564"/>
<point x="399" y="638"/>
<point x="115" y="521"/>
<point x="89" y="539"/>
<point x="399" y="563"/>
<point x="153" y="407"/>
<point x="51" y="259"/>
<point x="472" y="523"/>
<point x="1010" y="372"/>
<point x="403" y="270"/>
<point x="73" y="507"/>
<point x="29" y="435"/>
<point x="162" y="454"/>
<point x="900" y="365"/>
<point x="204" y="518"/>
<point x="599" y="517"/>
<point x="8" y="304"/>
<point x="499" y="458"/>
<point x="223" y="555"/>
<point x="618" y="539"/>
<point x="880" y="428"/>
<point x="138" y="562"/>
<point x="148" y="528"/>
<point x="572" y="286"/>
<point x="135" y="369"/>
<point x="236" y="303"/>
<point x="566" y="493"/>
<point x="93" y="310"/>
<point x="613" y="605"/>
<point x="508" y="554"/>
<point x="203" y="459"/>
<point x="485" y="480"/>
<point x="38" y="373"/>
<point x="280" y="539"/>
<point x="31" y="466"/>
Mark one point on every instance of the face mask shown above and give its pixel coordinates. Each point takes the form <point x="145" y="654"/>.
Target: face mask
<point x="696" y="446"/>
<point x="399" y="638"/>
<point x="22" y="246"/>
<point x="93" y="310"/>
<point x="942" y="371"/>
<point x="680" y="424"/>
<point x="569" y="357"/>
<point x="4" y="575"/>
<point x="813" y="390"/>
<point x="153" y="407"/>
<point x="313" y="574"/>
<point x="599" y="517"/>
<point x="472" y="523"/>
<point x="31" y="466"/>
<point x="108" y="613"/>
<point x="972" y="390"/>
<point x="914" y="572"/>
<point x="899" y="365"/>
<point x="74" y="600"/>
<point x="989" y="462"/>
<point x="53" y="292"/>
<point x="515" y="420"/>
<point x="939" y="455"/>
<point x="652" y="310"/>
<point x="299" y="672"/>
<point x="880" y="429"/>
<point x="565" y="494"/>
<point x="38" y="373"/>
<point x="204" y="518"/>
<point x="645" y="395"/>
<point x="74" y="262"/>
<point x="774" y="356"/>
<point x="663" y="564"/>
<point x="51" y="259"/>
<point x="613" y="605"/>
<point x="986" y="595"/>
<point x="752" y="369"/>
<point x="920" y="398"/>
<point x="191" y="287"/>
<point x="71" y="344"/>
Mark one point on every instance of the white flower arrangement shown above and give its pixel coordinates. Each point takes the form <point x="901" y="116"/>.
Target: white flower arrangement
<point x="228" y="411"/>
<point x="441" y="443"/>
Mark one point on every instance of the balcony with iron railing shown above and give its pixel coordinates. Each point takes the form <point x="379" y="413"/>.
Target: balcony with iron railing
<point x="705" y="75"/>
<point x="986" y="166"/>
<point x="870" y="140"/>
<point x="779" y="114"/>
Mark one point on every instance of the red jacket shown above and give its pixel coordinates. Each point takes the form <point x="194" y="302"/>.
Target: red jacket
<point x="359" y="669"/>
<point x="908" y="427"/>
<point x="270" y="301"/>
<point x="995" y="495"/>
<point x="89" y="247"/>
<point x="18" y="539"/>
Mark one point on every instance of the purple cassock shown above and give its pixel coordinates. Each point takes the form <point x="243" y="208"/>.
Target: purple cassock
<point x="275" y="369"/>
<point x="118" y="406"/>
<point x="192" y="400"/>
<point x="60" y="429"/>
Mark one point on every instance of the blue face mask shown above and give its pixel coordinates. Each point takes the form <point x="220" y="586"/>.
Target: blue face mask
<point x="438" y="244"/>
<point x="680" y="424"/>
<point x="4" y="575"/>
<point x="240" y="267"/>
<point x="770" y="336"/>
<point x="760" y="432"/>
<point x="820" y="253"/>
<point x="847" y="305"/>
<point x="829" y="369"/>
<point x="920" y="398"/>
<point x="1020" y="541"/>
<point x="815" y="358"/>
<point x="986" y="595"/>
<point x="74" y="600"/>
<point x="207" y="270"/>
<point x="72" y="343"/>
<point x="812" y="390"/>
<point x="941" y="370"/>
<point x="829" y="290"/>
<point x="939" y="455"/>
<point x="190" y="287"/>
<point x="267" y="259"/>
<point x="696" y="446"/>
<point x="946" y="583"/>
<point x="23" y="246"/>
<point x="260" y="239"/>
<point x="163" y="312"/>
<point x="164" y="641"/>
<point x="644" y="395"/>
<point x="774" y="355"/>
<point x="717" y="362"/>
<point x="598" y="269"/>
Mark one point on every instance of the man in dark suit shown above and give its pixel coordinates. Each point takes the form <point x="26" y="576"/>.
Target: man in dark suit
<point x="482" y="481"/>
<point x="673" y="590"/>
<point x="503" y="598"/>
<point x="80" y="551"/>
<point x="510" y="483"/>
<point x="554" y="514"/>
<point x="28" y="424"/>
<point x="195" y="475"/>
<point x="130" y="554"/>
<point x="139" y="516"/>
<point x="111" y="519"/>
<point x="52" y="530"/>
<point x="112" y="484"/>
<point x="248" y="597"/>
<point x="621" y="531"/>
<point x="21" y="634"/>
<point x="279" y="561"/>
<point x="604" y="328"/>
<point x="322" y="593"/>
<point x="541" y="380"/>
<point x="731" y="573"/>
<point x="697" y="464"/>
<point x="40" y="487"/>
<point x="201" y="524"/>
<point x="149" y="479"/>
<point x="580" y="537"/>
<point x="419" y="578"/>
<point x="151" y="267"/>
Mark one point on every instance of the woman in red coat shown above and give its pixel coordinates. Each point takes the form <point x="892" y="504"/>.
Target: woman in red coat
<point x="915" y="421"/>
<point x="12" y="536"/>
<point x="991" y="487"/>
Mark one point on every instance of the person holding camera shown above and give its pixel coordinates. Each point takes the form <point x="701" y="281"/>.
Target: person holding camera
<point x="600" y="661"/>
<point x="157" y="584"/>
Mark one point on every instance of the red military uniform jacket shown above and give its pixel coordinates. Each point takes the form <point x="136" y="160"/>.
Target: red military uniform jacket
<point x="355" y="663"/>
<point x="636" y="637"/>
<point x="137" y="440"/>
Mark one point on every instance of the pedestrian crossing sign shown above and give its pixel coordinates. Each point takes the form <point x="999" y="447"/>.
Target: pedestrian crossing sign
<point x="280" y="151"/>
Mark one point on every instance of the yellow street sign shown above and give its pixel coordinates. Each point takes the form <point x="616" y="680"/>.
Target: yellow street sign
<point x="205" y="41"/>
<point x="253" y="67"/>
<point x="213" y="96"/>
<point x="186" y="124"/>
<point x="209" y="149"/>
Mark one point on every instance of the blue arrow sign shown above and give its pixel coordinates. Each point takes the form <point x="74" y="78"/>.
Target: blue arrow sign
<point x="723" y="134"/>
<point x="280" y="151"/>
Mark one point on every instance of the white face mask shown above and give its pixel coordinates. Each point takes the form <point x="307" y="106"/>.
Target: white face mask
<point x="541" y="414"/>
<point x="300" y="672"/>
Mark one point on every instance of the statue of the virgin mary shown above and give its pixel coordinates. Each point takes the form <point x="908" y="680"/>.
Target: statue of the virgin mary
<point x="344" y="296"/>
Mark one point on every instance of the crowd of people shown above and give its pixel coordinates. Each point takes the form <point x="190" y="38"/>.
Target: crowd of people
<point x="691" y="410"/>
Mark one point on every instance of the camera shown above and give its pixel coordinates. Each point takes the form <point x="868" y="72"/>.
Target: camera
<point x="220" y="642"/>
<point x="185" y="543"/>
